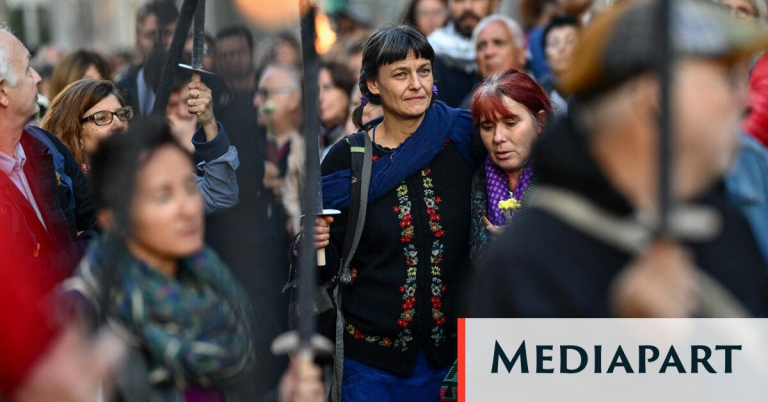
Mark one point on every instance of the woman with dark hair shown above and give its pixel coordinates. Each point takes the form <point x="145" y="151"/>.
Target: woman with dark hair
<point x="336" y="83"/>
<point x="89" y="111"/>
<point x="76" y="66"/>
<point x="151" y="278"/>
<point x="400" y="307"/>
<point x="560" y="39"/>
<point x="509" y="110"/>
<point x="426" y="15"/>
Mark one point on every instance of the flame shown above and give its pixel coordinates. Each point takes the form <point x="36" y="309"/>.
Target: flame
<point x="325" y="35"/>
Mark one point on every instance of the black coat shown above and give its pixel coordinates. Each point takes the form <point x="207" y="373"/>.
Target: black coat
<point x="542" y="267"/>
<point x="455" y="80"/>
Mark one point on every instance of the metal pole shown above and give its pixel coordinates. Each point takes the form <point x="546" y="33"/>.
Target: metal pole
<point x="308" y="262"/>
<point x="198" y="36"/>
<point x="665" y="65"/>
<point x="174" y="54"/>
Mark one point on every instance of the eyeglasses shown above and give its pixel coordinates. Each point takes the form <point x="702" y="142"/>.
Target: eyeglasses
<point x="265" y="92"/>
<point x="105" y="117"/>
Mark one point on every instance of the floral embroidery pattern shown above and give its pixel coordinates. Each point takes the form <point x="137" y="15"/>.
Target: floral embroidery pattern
<point x="408" y="290"/>
<point x="436" y="258"/>
<point x="403" y="211"/>
<point x="401" y="342"/>
<point x="410" y="252"/>
<point x="432" y="203"/>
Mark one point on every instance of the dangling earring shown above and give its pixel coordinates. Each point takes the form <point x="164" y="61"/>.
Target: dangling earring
<point x="434" y="90"/>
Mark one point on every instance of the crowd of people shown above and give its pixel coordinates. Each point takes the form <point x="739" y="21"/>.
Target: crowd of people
<point x="514" y="171"/>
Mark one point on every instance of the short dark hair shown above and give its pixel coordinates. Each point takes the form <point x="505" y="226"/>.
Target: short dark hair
<point x="341" y="76"/>
<point x="165" y="11"/>
<point x="559" y="22"/>
<point x="236" y="30"/>
<point x="384" y="46"/>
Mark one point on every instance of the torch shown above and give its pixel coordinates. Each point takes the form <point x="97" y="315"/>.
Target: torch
<point x="198" y="43"/>
<point x="306" y="343"/>
<point x="189" y="9"/>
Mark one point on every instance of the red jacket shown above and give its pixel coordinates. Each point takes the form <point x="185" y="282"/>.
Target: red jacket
<point x="756" y="122"/>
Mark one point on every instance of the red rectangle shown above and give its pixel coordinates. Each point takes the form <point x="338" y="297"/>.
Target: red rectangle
<point x="462" y="363"/>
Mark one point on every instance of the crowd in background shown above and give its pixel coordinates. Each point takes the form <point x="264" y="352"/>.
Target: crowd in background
<point x="221" y="210"/>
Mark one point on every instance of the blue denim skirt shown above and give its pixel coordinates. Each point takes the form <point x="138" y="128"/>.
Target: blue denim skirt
<point x="362" y="382"/>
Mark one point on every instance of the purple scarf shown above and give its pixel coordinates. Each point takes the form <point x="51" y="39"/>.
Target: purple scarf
<point x="497" y="188"/>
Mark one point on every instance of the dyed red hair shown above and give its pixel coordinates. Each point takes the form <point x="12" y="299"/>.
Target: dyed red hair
<point x="487" y="101"/>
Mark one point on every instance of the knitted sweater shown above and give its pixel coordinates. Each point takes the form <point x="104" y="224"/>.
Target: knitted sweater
<point x="406" y="270"/>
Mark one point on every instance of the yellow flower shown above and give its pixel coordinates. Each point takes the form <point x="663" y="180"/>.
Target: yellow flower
<point x="510" y="204"/>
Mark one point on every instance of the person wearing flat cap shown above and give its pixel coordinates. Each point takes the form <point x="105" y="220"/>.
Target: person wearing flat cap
<point x="588" y="246"/>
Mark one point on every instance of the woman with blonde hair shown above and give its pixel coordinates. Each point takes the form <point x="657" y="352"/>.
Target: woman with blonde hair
<point x="76" y="66"/>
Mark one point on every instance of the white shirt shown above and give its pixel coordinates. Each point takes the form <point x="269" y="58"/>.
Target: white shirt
<point x="14" y="169"/>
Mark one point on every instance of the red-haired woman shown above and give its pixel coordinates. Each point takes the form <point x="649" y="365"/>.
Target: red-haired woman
<point x="509" y="111"/>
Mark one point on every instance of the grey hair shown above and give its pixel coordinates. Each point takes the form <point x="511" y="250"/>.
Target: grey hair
<point x="512" y="27"/>
<point x="6" y="72"/>
<point x="294" y="75"/>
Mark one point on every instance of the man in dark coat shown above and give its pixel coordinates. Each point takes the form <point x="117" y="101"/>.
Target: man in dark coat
<point x="588" y="248"/>
<point x="155" y="23"/>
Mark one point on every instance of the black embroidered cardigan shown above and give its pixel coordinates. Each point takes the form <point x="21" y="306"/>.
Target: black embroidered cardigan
<point x="413" y="250"/>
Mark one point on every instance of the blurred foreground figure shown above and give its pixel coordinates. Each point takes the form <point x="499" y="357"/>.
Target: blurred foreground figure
<point x="174" y="301"/>
<point x="302" y="382"/>
<point x="747" y="183"/>
<point x="40" y="362"/>
<point x="604" y="162"/>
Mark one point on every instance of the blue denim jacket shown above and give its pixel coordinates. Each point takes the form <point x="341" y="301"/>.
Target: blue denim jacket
<point x="747" y="187"/>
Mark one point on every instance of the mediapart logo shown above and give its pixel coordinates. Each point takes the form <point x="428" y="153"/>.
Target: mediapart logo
<point x="624" y="360"/>
<point x="580" y="359"/>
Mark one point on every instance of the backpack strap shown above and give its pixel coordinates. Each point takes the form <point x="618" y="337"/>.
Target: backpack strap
<point x="361" y="152"/>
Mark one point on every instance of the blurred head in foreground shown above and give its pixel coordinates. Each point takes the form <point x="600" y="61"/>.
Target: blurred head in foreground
<point x="162" y="219"/>
<point x="618" y="90"/>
